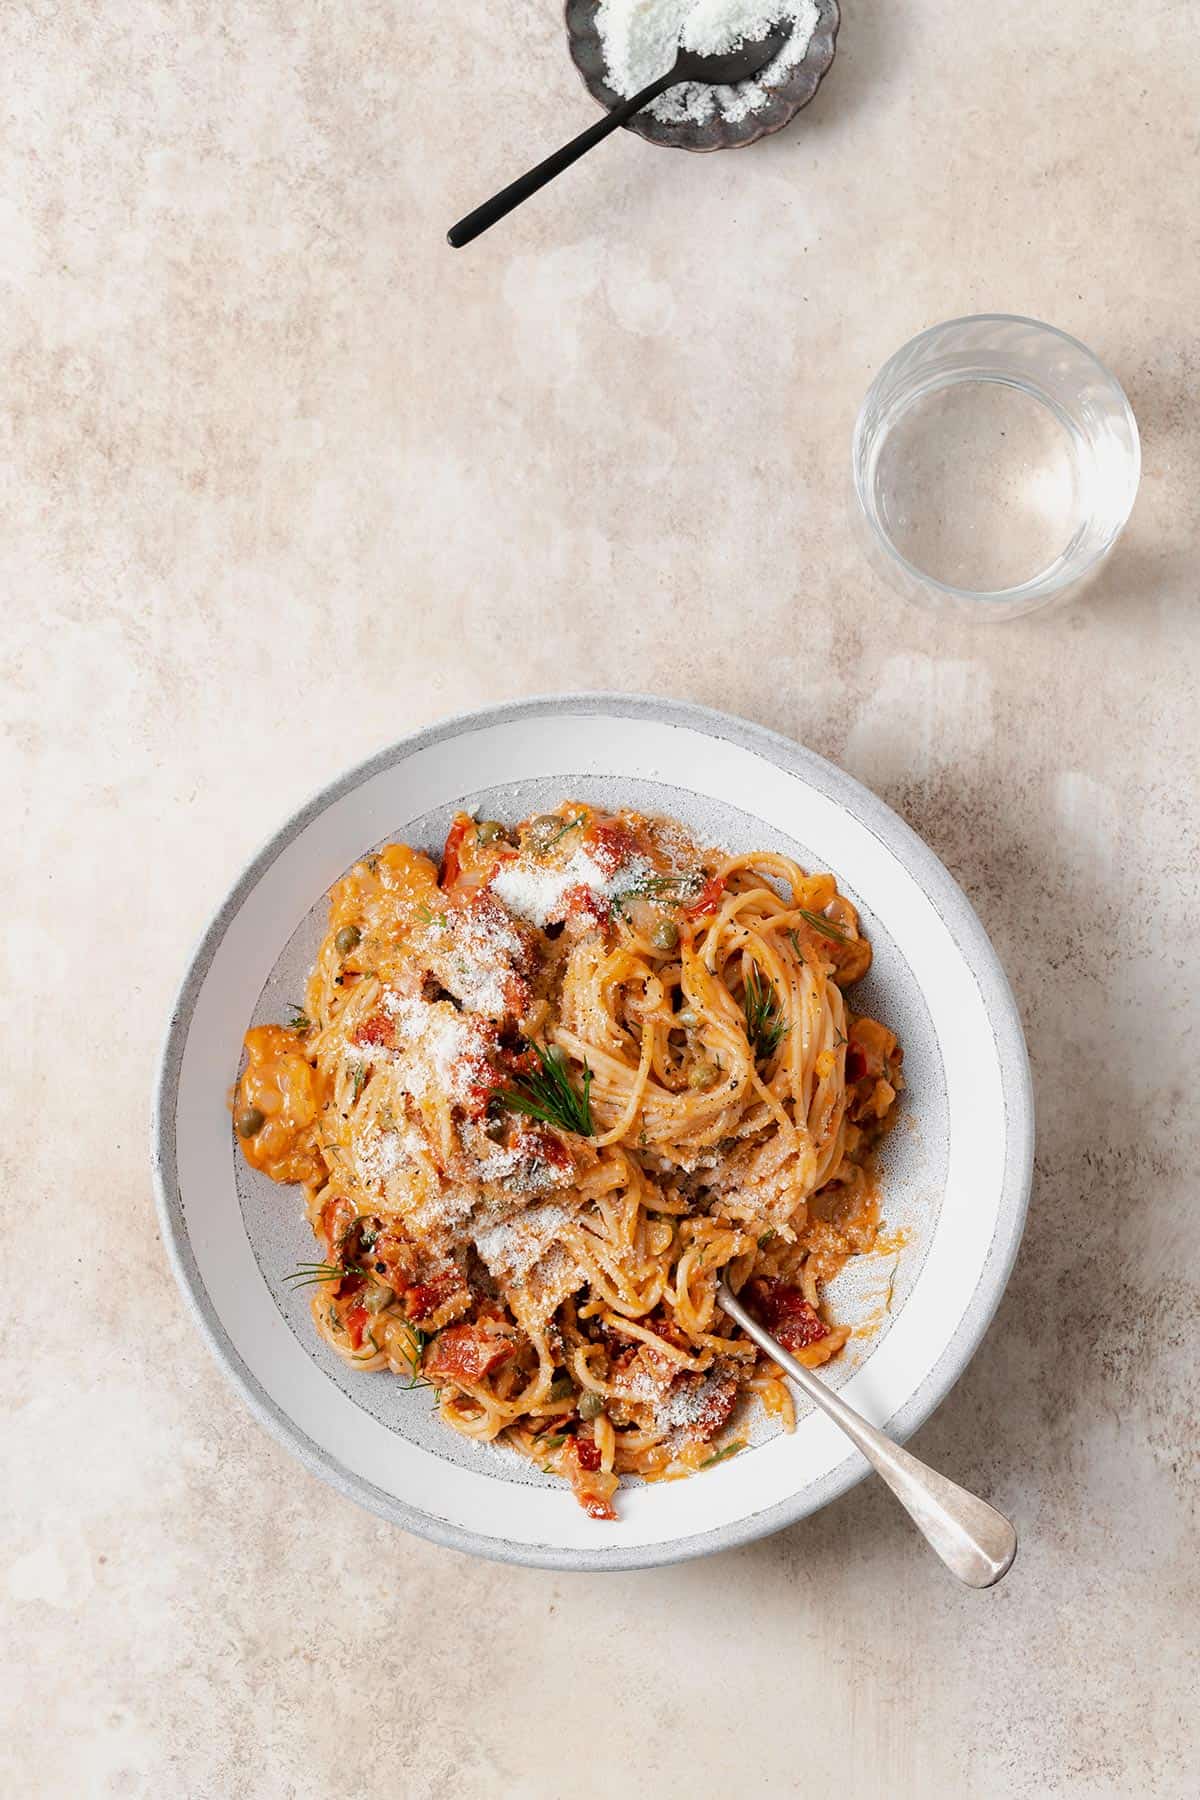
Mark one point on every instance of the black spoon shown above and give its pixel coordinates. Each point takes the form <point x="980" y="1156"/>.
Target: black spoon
<point x="725" y="70"/>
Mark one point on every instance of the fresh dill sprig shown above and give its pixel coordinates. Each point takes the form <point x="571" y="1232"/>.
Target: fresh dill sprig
<point x="547" y="1094"/>
<point x="723" y="1455"/>
<point x="427" y="916"/>
<point x="413" y="1356"/>
<point x="299" y="1020"/>
<point x="312" y="1274"/>
<point x="571" y="825"/>
<point x="657" y="887"/>
<point x="417" y="1340"/>
<point x="824" y="926"/>
<point x="366" y="1241"/>
<point x="764" y="1023"/>
<point x="360" y="1076"/>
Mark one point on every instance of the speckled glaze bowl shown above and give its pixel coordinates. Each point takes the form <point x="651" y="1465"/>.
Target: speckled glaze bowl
<point x="717" y="133"/>
<point x="954" y="1179"/>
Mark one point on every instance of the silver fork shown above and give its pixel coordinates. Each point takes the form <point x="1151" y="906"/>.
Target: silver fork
<point x="975" y="1542"/>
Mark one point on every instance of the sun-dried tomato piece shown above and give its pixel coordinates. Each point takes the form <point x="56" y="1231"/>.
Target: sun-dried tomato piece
<point x="337" y="1218"/>
<point x="429" y="1297"/>
<point x="785" y="1312"/>
<point x="610" y="845"/>
<point x="707" y="899"/>
<point x="592" y="1487"/>
<point x="451" y="864"/>
<point x="668" y="1330"/>
<point x="587" y="1452"/>
<point x="467" y="1353"/>
<point x="582" y="906"/>
<point x="379" y="1029"/>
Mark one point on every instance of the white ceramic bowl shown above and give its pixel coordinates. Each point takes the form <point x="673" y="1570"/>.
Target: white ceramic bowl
<point x="957" y="1167"/>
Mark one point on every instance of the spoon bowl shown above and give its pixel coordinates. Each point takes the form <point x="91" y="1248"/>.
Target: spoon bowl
<point x="728" y="67"/>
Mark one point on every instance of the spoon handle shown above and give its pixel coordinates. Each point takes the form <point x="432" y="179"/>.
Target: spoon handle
<point x="527" y="184"/>
<point x="975" y="1542"/>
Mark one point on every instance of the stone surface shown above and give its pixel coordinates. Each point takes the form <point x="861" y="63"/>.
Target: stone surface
<point x="286" y="477"/>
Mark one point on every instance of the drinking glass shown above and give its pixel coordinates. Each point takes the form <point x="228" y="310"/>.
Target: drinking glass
<point x="996" y="462"/>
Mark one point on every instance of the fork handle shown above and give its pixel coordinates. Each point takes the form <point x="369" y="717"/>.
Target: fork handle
<point x="529" y="183"/>
<point x="975" y="1542"/>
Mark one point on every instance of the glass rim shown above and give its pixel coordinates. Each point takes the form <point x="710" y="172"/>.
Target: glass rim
<point x="1052" y="579"/>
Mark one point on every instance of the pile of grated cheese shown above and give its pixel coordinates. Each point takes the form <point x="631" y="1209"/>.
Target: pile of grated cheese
<point x="685" y="1406"/>
<point x="512" y="1249"/>
<point x="641" y="39"/>
<point x="476" y="951"/>
<point x="439" y="1050"/>
<point x="537" y="893"/>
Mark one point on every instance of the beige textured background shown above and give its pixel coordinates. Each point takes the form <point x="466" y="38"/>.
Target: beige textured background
<point x="285" y="477"/>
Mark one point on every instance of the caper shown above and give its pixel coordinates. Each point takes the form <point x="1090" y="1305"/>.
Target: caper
<point x="347" y="939"/>
<point x="250" y="1121"/>
<point x="488" y="830"/>
<point x="543" y="830"/>
<point x="377" y="1297"/>
<point x="590" y="1405"/>
<point x="703" y="1075"/>
<point x="665" y="935"/>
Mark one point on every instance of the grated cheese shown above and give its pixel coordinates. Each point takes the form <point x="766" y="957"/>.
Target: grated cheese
<point x="641" y="39"/>
<point x="497" y="1164"/>
<point x="379" y="1153"/>
<point x="535" y="892"/>
<point x="647" y="1380"/>
<point x="694" y="1406"/>
<point x="545" y="1287"/>
<point x="510" y="1250"/>
<point x="439" y="1049"/>
<point x="479" y="955"/>
<point x="437" y="1215"/>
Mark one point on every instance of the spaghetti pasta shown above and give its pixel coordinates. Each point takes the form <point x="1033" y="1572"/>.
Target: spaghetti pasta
<point x="542" y="1098"/>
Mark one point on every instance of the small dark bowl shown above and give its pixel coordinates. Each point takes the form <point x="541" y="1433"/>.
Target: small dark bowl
<point x="793" y="92"/>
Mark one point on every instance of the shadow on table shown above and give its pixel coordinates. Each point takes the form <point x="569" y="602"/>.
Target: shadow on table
<point x="1152" y="570"/>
